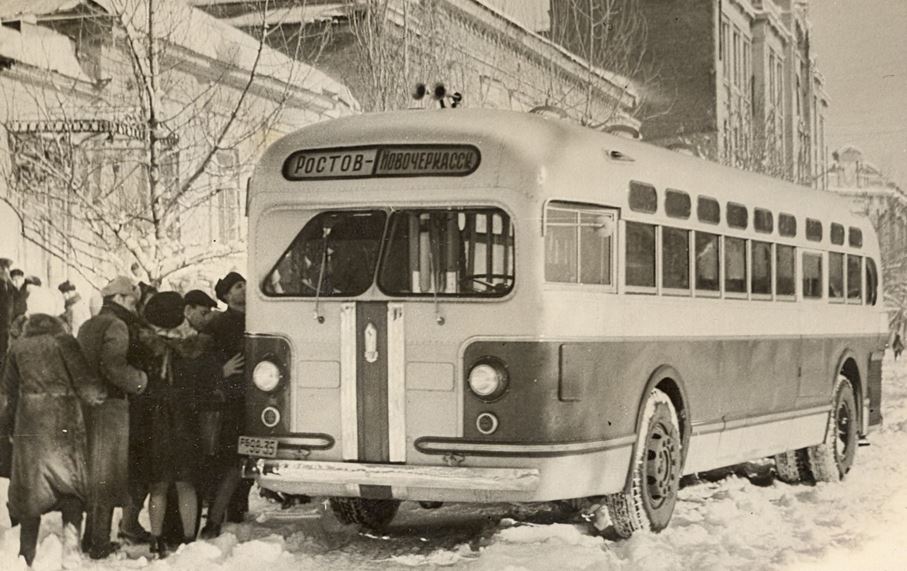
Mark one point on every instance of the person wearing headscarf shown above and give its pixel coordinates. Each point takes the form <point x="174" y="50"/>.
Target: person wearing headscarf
<point x="44" y="385"/>
<point x="182" y="366"/>
<point x="108" y="345"/>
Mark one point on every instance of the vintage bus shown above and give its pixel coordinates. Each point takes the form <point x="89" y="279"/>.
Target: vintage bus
<point x="486" y="306"/>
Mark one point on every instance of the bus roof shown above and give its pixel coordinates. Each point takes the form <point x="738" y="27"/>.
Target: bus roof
<point x="540" y="149"/>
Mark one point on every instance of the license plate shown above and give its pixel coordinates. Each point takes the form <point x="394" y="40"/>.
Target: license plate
<point x="254" y="446"/>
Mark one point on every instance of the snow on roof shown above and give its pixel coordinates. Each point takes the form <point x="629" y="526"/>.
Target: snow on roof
<point x="298" y="14"/>
<point x="10" y="9"/>
<point x="193" y="29"/>
<point x="42" y="48"/>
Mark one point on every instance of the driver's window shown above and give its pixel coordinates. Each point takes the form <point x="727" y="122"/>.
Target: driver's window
<point x="579" y="244"/>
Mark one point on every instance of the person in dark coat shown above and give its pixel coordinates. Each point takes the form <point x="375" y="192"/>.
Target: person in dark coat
<point x="183" y="364"/>
<point x="8" y="298"/>
<point x="45" y="383"/>
<point x="105" y="341"/>
<point x="228" y="332"/>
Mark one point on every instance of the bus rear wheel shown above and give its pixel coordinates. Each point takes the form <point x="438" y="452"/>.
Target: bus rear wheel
<point x="656" y="472"/>
<point x="831" y="460"/>
<point x="371" y="514"/>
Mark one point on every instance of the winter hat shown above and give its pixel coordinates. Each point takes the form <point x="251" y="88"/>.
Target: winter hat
<point x="120" y="285"/>
<point x="224" y="284"/>
<point x="43" y="300"/>
<point x="165" y="310"/>
<point x="66" y="286"/>
<point x="198" y="297"/>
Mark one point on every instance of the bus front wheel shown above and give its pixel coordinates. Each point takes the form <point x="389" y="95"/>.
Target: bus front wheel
<point x="656" y="472"/>
<point x="831" y="460"/>
<point x="370" y="514"/>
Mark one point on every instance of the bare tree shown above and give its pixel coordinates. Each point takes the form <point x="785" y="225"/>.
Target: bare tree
<point x="119" y="179"/>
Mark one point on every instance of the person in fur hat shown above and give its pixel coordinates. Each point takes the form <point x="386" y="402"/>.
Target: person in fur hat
<point x="45" y="383"/>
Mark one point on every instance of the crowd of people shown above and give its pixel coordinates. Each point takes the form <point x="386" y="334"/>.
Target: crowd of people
<point x="142" y="400"/>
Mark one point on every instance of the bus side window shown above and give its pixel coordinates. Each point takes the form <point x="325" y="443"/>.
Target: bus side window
<point x="640" y="255"/>
<point x="785" y="271"/>
<point x="854" y="279"/>
<point x="812" y="275"/>
<point x="872" y="282"/>
<point x="835" y="275"/>
<point x="675" y="258"/>
<point x="734" y="265"/>
<point x="762" y="268"/>
<point x="579" y="244"/>
<point x="707" y="261"/>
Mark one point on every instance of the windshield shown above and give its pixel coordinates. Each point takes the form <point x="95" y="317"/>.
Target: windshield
<point x="334" y="255"/>
<point x="427" y="252"/>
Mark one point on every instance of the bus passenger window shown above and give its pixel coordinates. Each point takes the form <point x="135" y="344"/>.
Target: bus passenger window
<point x="561" y="239"/>
<point x="813" y="230"/>
<point x="578" y="244"/>
<point x="837" y="234"/>
<point x="707" y="261"/>
<point x="835" y="275"/>
<point x="734" y="265"/>
<point x="872" y="282"/>
<point x="787" y="225"/>
<point x="737" y="216"/>
<point x="854" y="278"/>
<point x="675" y="258"/>
<point x="677" y="204"/>
<point x="763" y="220"/>
<point x="640" y="254"/>
<point x="785" y="271"/>
<point x="812" y="275"/>
<point x="855" y="237"/>
<point x="708" y="210"/>
<point x="762" y="267"/>
<point x="643" y="197"/>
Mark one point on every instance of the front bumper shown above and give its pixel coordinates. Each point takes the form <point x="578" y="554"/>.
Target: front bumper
<point x="400" y="481"/>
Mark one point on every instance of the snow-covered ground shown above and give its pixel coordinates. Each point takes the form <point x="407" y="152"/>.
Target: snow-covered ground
<point x="741" y="521"/>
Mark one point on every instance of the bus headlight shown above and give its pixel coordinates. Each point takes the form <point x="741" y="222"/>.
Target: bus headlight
<point x="488" y="380"/>
<point x="266" y="376"/>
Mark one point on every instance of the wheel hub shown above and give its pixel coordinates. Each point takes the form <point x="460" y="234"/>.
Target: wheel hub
<point x="660" y="465"/>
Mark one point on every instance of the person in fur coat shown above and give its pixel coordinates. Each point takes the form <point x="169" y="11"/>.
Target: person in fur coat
<point x="44" y="385"/>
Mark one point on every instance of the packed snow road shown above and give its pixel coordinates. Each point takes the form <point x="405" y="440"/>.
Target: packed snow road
<point x="742" y="519"/>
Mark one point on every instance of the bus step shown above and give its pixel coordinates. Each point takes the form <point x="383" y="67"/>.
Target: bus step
<point x="864" y="442"/>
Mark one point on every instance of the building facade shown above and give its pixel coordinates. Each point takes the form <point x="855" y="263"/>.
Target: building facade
<point x="470" y="46"/>
<point x="89" y="126"/>
<point x="734" y="81"/>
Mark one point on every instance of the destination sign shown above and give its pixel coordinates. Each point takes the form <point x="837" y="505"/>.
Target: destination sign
<point x="383" y="161"/>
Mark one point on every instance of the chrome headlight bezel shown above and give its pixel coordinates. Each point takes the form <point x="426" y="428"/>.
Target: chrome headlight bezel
<point x="267" y="375"/>
<point x="488" y="379"/>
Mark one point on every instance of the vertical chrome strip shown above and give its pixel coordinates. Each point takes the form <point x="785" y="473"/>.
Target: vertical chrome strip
<point x="349" y="424"/>
<point x="396" y="383"/>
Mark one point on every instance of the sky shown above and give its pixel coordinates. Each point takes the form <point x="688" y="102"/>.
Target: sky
<point x="861" y="49"/>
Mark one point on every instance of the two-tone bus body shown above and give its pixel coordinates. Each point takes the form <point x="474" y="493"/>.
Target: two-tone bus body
<point x="488" y="306"/>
